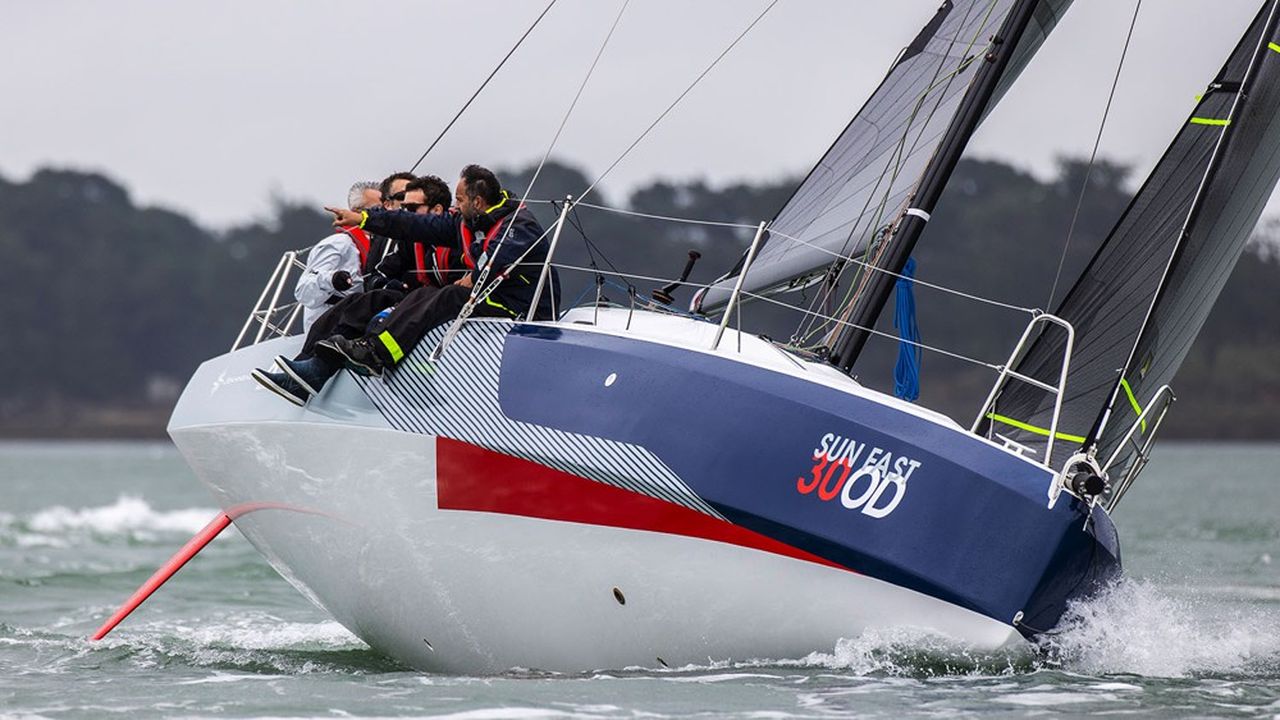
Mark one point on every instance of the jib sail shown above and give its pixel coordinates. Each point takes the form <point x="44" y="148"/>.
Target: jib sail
<point x="1144" y="296"/>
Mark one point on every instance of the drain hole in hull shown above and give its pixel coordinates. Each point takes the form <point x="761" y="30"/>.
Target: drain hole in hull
<point x="617" y="595"/>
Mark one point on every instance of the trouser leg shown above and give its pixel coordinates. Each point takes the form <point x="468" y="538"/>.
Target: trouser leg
<point x="348" y="317"/>
<point x="420" y="312"/>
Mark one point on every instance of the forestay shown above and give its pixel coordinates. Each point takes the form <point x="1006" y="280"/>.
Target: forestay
<point x="864" y="180"/>
<point x="1144" y="296"/>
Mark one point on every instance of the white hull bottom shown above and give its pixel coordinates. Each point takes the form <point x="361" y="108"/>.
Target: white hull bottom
<point x="349" y="516"/>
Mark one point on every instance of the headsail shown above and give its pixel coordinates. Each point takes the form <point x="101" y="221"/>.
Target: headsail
<point x="1146" y="293"/>
<point x="865" y="179"/>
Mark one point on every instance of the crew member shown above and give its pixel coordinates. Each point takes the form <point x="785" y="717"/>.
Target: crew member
<point x="394" y="276"/>
<point x="491" y="231"/>
<point x="494" y="232"/>
<point x="334" y="265"/>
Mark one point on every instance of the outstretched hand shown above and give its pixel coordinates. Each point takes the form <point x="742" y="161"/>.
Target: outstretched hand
<point x="343" y="217"/>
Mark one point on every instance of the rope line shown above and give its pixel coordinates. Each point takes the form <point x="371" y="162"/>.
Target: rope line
<point x="483" y="275"/>
<point x="482" y="87"/>
<point x="923" y="346"/>
<point x="675" y="102"/>
<point x="837" y="256"/>
<point x="917" y="281"/>
<point x="669" y="218"/>
<point x="873" y="331"/>
<point x="1057" y="276"/>
<point x="894" y="167"/>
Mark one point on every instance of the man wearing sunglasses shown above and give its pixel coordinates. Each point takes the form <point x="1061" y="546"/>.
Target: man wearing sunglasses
<point x="406" y="268"/>
<point x="417" y="264"/>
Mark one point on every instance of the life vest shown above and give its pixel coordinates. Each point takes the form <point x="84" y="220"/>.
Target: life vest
<point x="468" y="237"/>
<point x="361" y="240"/>
<point x="439" y="269"/>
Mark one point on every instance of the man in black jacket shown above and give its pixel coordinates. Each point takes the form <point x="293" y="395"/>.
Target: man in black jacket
<point x="501" y="244"/>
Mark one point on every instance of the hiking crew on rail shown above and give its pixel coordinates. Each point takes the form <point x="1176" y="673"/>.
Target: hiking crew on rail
<point x="488" y="228"/>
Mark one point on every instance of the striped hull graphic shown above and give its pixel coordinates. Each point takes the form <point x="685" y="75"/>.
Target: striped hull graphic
<point x="459" y="399"/>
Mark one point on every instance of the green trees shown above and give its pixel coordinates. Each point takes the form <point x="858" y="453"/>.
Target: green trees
<point x="109" y="306"/>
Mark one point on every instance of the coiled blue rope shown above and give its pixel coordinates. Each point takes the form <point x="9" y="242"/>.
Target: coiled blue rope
<point x="906" y="373"/>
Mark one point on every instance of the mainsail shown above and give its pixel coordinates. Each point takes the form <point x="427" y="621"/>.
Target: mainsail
<point x="865" y="179"/>
<point x="1144" y="296"/>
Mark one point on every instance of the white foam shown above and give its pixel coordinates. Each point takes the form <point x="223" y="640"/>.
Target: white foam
<point x="721" y="677"/>
<point x="903" y="650"/>
<point x="258" y="631"/>
<point x="128" y="514"/>
<point x="247" y="639"/>
<point x="1135" y="628"/>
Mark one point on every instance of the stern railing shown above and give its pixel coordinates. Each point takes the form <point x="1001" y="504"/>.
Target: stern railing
<point x="1159" y="406"/>
<point x="1007" y="373"/>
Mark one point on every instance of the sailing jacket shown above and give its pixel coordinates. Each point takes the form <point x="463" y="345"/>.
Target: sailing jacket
<point x="380" y="250"/>
<point x="346" y="250"/>
<point x="480" y="239"/>
<point x="418" y="264"/>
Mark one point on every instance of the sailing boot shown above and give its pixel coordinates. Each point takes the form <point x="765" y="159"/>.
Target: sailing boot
<point x="282" y="385"/>
<point x="360" y="356"/>
<point x="311" y="374"/>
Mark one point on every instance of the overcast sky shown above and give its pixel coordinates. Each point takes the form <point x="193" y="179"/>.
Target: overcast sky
<point x="210" y="108"/>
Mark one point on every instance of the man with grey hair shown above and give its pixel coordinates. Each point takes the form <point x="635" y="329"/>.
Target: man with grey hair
<point x="335" y="266"/>
<point x="364" y="194"/>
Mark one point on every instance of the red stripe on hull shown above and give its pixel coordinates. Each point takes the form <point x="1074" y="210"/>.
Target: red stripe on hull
<point x="473" y="478"/>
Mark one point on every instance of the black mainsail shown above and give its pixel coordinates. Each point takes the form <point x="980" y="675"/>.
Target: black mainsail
<point x="1144" y="296"/>
<point x="865" y="180"/>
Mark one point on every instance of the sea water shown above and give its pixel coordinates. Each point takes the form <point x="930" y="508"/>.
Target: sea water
<point x="1194" y="630"/>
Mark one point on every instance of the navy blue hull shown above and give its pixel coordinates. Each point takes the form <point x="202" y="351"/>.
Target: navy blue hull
<point x="874" y="489"/>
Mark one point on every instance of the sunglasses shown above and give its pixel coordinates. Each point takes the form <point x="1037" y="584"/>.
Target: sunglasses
<point x="412" y="207"/>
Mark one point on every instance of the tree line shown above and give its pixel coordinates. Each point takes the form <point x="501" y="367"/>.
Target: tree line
<point x="112" y="305"/>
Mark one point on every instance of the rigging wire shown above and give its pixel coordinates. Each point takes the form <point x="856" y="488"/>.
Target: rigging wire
<point x="789" y="306"/>
<point x="871" y="267"/>
<point x="675" y="102"/>
<point x="669" y="218"/>
<point x="484" y="272"/>
<point x="807" y="330"/>
<point x="479" y="292"/>
<point x="779" y="303"/>
<point x="479" y="295"/>
<point x="837" y="257"/>
<point x="1057" y="276"/>
<point x="482" y="86"/>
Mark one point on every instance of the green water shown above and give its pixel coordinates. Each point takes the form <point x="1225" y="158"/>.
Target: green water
<point x="1193" y="632"/>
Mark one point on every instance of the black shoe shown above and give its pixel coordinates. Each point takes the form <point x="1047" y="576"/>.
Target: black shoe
<point x="282" y="385"/>
<point x="306" y="373"/>
<point x="360" y="355"/>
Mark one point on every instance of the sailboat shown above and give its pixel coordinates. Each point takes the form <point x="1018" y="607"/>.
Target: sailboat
<point x="637" y="486"/>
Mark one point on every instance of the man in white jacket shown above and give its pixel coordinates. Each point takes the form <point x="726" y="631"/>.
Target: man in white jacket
<point x="333" y="265"/>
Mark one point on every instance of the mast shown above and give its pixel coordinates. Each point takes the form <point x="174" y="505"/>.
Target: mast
<point x="973" y="107"/>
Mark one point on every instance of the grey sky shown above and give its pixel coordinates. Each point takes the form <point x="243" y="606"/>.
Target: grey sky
<point x="211" y="107"/>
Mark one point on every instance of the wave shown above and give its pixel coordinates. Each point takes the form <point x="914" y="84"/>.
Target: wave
<point x="129" y="517"/>
<point x="1137" y="628"/>
<point x="246" y="646"/>
<point x="1134" y="628"/>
